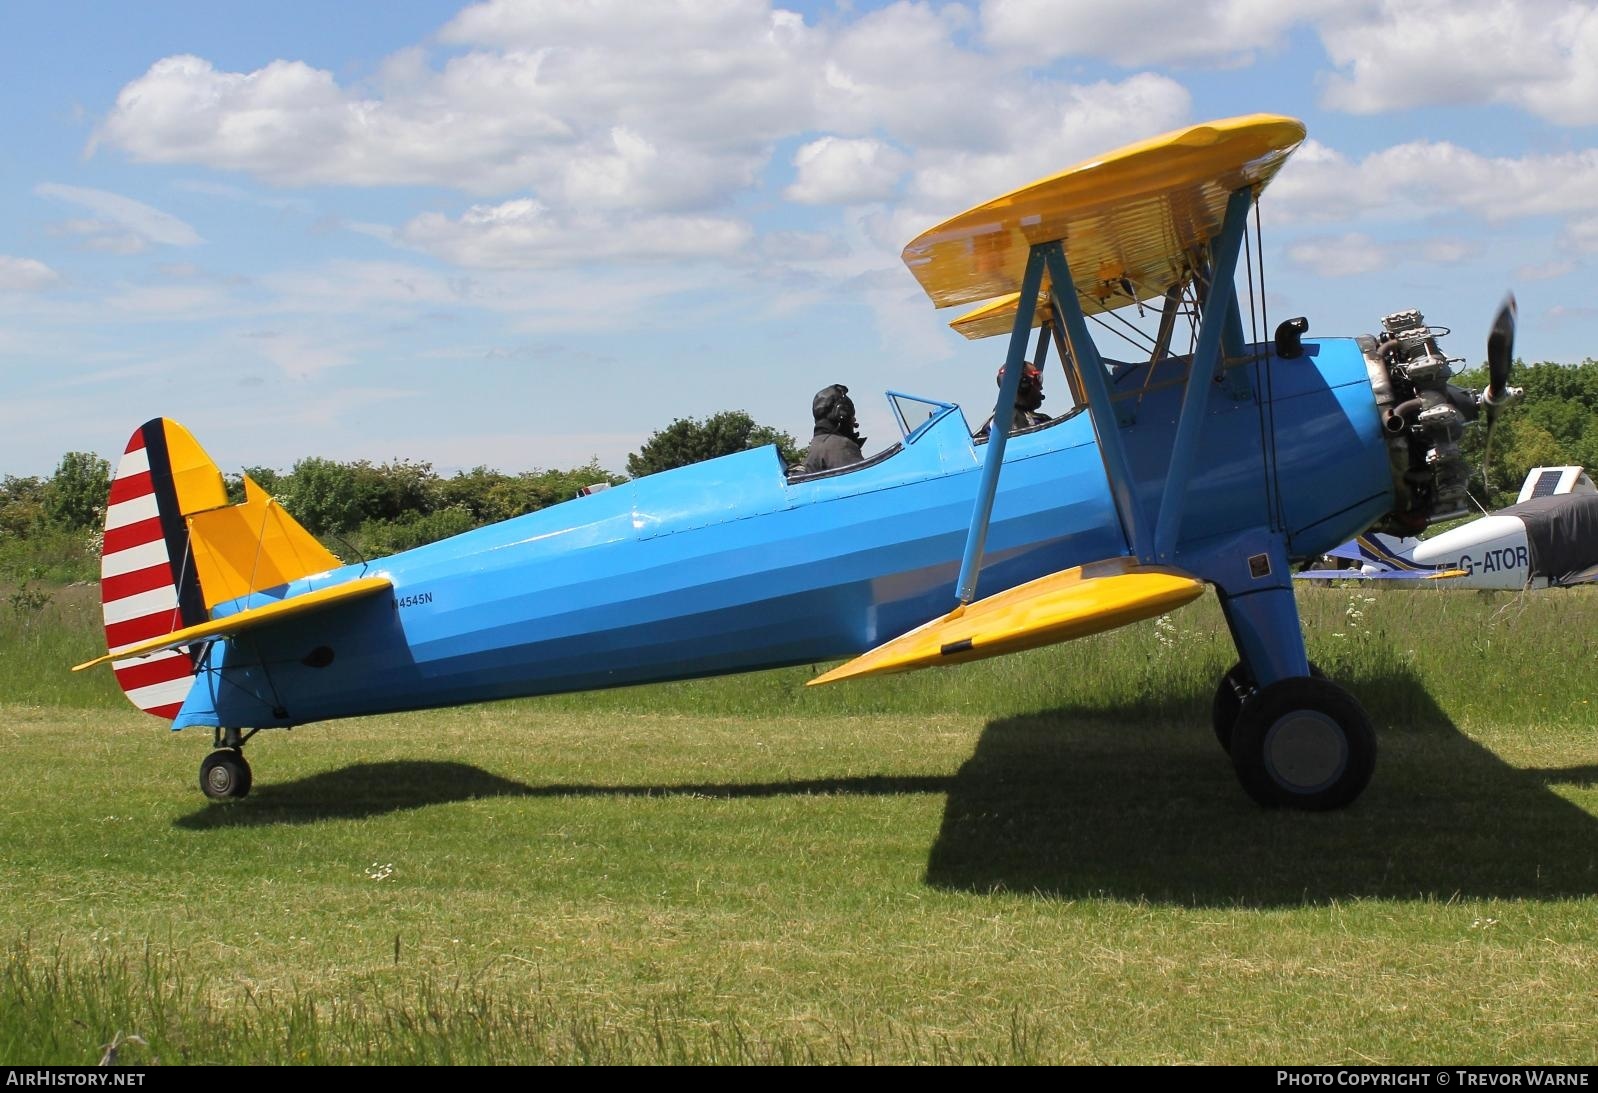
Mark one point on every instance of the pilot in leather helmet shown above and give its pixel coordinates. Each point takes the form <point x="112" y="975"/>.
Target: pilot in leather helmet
<point x="836" y="441"/>
<point x="1028" y="397"/>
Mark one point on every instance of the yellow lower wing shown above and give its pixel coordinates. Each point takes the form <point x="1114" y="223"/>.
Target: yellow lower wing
<point x="1070" y="604"/>
<point x="248" y="620"/>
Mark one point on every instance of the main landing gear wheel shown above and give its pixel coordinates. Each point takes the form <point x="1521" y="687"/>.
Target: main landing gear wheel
<point x="224" y="775"/>
<point x="1234" y="689"/>
<point x="1303" y="743"/>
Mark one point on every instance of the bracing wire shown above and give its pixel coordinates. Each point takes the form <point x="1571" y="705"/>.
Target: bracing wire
<point x="1142" y="336"/>
<point x="1265" y="322"/>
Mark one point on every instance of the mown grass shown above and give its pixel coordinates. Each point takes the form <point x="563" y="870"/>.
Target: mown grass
<point x="1042" y="858"/>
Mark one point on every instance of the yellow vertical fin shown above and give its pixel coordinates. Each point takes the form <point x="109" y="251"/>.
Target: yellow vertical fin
<point x="252" y="546"/>
<point x="196" y="479"/>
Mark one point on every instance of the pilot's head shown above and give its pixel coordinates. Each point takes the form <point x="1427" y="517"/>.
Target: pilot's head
<point x="1030" y="394"/>
<point x="832" y="406"/>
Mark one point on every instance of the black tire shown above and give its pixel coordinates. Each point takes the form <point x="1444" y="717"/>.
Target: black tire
<point x="1235" y="688"/>
<point x="224" y="775"/>
<point x="1303" y="743"/>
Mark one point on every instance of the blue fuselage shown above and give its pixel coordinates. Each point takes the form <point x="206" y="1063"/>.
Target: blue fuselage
<point x="728" y="566"/>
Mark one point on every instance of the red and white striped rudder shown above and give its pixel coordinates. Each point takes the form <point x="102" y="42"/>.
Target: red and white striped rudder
<point x="148" y="585"/>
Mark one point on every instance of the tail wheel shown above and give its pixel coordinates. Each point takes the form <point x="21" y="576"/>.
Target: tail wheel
<point x="224" y="775"/>
<point x="1234" y="689"/>
<point x="1303" y="743"/>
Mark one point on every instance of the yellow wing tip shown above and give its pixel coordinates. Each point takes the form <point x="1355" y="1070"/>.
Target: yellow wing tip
<point x="849" y="669"/>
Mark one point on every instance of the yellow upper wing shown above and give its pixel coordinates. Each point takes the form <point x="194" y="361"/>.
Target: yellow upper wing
<point x="1132" y="215"/>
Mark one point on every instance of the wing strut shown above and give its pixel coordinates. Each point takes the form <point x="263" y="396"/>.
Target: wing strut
<point x="999" y="433"/>
<point x="1095" y="385"/>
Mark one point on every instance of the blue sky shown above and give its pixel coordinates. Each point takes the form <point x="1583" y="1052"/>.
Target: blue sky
<point x="529" y="234"/>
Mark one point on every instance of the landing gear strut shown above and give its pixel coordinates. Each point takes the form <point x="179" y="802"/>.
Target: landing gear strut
<point x="224" y="773"/>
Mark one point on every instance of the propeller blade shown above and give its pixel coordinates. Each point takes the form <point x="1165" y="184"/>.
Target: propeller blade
<point x="1500" y="354"/>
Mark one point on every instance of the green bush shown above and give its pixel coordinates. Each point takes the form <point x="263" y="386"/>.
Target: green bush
<point x="384" y="537"/>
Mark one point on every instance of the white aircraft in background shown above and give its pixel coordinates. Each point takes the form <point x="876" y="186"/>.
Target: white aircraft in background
<point x="1547" y="539"/>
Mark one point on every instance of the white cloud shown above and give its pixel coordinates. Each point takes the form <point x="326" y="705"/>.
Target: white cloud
<point x="1424" y="178"/>
<point x="1582" y="234"/>
<point x="184" y="111"/>
<point x="669" y="107"/>
<point x="899" y="72"/>
<point x="101" y="235"/>
<point x="1067" y="125"/>
<point x="650" y="105"/>
<point x="1210" y="33"/>
<point x="529" y="298"/>
<point x="839" y="171"/>
<point x="663" y="26"/>
<point x="1342" y="256"/>
<point x="1445" y="251"/>
<point x="1538" y="55"/>
<point x="524" y="233"/>
<point x="25" y="274"/>
<point x="1355" y="253"/>
<point x="1546" y="271"/>
<point x="121" y="224"/>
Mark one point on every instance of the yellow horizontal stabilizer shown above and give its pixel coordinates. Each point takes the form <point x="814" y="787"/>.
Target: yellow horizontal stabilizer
<point x="1070" y="604"/>
<point x="249" y="620"/>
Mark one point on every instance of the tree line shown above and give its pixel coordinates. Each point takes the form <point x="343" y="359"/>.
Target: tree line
<point x="49" y="526"/>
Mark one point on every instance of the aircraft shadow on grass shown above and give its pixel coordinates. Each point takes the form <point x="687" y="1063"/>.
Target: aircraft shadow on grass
<point x="1109" y="801"/>
<point x="1081" y="802"/>
<point x="371" y="789"/>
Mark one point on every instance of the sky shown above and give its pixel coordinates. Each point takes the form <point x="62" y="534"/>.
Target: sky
<point x="529" y="234"/>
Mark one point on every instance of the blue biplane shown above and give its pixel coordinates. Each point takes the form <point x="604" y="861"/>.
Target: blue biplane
<point x="1220" y="466"/>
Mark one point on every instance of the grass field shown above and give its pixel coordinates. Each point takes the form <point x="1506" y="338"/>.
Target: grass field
<point x="1042" y="858"/>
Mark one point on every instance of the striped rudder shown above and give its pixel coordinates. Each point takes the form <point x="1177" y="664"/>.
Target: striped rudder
<point x="148" y="582"/>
